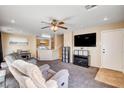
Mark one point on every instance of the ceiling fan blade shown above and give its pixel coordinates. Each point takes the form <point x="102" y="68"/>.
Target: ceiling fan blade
<point x="67" y="18"/>
<point x="45" y="27"/>
<point x="45" y="22"/>
<point x="61" y="23"/>
<point x="63" y="27"/>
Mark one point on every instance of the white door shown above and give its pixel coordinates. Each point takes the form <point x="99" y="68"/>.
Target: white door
<point x="112" y="50"/>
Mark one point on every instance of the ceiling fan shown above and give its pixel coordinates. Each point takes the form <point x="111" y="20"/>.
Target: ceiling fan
<point x="54" y="24"/>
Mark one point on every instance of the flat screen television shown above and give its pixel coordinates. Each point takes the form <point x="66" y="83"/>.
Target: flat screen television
<point x="85" y="40"/>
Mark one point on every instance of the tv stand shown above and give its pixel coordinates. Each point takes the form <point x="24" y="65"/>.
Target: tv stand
<point x="81" y="60"/>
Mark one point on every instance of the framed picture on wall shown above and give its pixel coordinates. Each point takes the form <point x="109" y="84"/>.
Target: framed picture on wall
<point x="18" y="41"/>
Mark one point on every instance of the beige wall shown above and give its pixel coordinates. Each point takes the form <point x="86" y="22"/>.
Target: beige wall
<point x="59" y="44"/>
<point x="68" y="42"/>
<point x="32" y="43"/>
<point x="13" y="48"/>
<point x="95" y="52"/>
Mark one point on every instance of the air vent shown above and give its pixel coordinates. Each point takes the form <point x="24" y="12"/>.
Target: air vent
<point x="89" y="7"/>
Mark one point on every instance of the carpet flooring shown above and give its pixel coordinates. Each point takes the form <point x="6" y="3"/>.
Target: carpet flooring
<point x="80" y="77"/>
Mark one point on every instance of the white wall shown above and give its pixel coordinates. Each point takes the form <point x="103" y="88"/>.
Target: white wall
<point x="95" y="52"/>
<point x="47" y="54"/>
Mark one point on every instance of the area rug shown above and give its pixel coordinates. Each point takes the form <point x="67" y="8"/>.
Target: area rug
<point x="111" y="77"/>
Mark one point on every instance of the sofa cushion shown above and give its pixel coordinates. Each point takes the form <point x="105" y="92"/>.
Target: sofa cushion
<point x="31" y="71"/>
<point x="9" y="59"/>
<point x="62" y="78"/>
<point x="32" y="60"/>
<point x="28" y="83"/>
<point x="46" y="71"/>
<point x="51" y="84"/>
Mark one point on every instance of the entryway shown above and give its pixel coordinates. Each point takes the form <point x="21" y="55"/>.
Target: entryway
<point x="112" y="50"/>
<point x="110" y="77"/>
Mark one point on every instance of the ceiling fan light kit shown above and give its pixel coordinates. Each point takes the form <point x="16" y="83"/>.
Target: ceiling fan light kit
<point x="54" y="28"/>
<point x="54" y="25"/>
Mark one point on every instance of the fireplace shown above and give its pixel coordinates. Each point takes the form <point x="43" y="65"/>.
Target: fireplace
<point x="81" y="58"/>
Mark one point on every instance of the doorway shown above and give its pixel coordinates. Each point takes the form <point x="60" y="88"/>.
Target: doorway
<point x="112" y="50"/>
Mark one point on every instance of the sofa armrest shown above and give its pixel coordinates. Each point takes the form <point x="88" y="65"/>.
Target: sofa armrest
<point x="51" y="71"/>
<point x="44" y="67"/>
<point x="51" y="84"/>
<point x="61" y="77"/>
<point x="60" y="74"/>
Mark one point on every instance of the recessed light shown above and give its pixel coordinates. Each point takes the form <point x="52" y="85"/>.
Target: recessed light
<point x="105" y="18"/>
<point x="12" y="21"/>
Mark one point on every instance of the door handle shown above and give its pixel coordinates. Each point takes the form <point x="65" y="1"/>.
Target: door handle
<point x="103" y="52"/>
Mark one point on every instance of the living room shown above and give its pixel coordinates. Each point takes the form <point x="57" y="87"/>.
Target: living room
<point x="36" y="41"/>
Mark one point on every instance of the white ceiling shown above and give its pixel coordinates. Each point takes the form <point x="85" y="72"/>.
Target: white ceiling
<point x="28" y="18"/>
